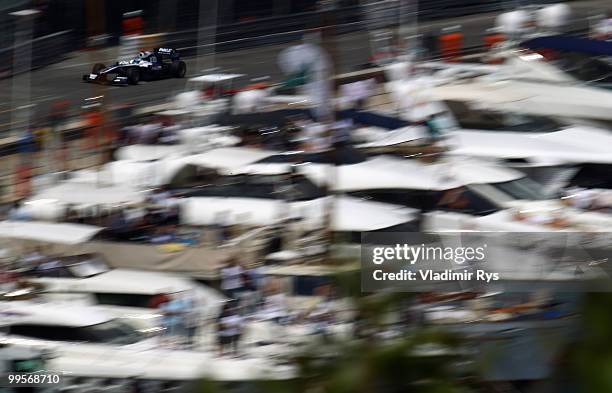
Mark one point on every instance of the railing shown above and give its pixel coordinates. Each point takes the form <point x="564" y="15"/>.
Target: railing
<point x="45" y="50"/>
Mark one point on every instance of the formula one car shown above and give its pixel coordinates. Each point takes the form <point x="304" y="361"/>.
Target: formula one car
<point x="156" y="64"/>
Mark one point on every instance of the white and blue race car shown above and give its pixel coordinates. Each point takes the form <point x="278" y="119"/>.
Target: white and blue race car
<point x="150" y="65"/>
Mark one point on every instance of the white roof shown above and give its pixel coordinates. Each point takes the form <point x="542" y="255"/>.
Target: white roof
<point x="551" y="99"/>
<point x="352" y="214"/>
<point x="48" y="232"/>
<point x="493" y="93"/>
<point x="396" y="173"/>
<point x="214" y="78"/>
<point x="349" y="214"/>
<point x="591" y="139"/>
<point x="139" y="282"/>
<point x="560" y="147"/>
<point x="228" y="158"/>
<point x="86" y="193"/>
<point x="52" y="314"/>
<point x="246" y="211"/>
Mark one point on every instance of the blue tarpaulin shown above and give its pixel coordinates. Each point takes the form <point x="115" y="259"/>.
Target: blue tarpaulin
<point x="567" y="43"/>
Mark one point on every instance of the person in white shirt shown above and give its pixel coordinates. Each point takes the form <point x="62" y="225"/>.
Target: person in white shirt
<point x="230" y="325"/>
<point x="231" y="279"/>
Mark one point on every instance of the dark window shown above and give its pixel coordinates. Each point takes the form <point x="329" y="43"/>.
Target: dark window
<point x="56" y="272"/>
<point x="44" y="332"/>
<point x="28" y="365"/>
<point x="121" y="299"/>
<point x="593" y="176"/>
<point x="307" y="285"/>
<point x="110" y="332"/>
<point x="294" y="188"/>
<point x="425" y="200"/>
<point x="482" y="119"/>
<point x="522" y="189"/>
<point x="418" y="199"/>
<point x="587" y="68"/>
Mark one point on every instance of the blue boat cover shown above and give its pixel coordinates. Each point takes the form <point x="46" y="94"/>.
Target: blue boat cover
<point x="568" y="43"/>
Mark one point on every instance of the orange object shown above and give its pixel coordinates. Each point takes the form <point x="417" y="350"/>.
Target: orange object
<point x="491" y="40"/>
<point x="451" y="45"/>
<point x="255" y="86"/>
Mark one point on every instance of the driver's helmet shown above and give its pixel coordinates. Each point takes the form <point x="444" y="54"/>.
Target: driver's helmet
<point x="143" y="54"/>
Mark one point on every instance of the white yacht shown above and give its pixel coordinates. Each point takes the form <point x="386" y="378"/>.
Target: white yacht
<point x="86" y="279"/>
<point x="89" y="344"/>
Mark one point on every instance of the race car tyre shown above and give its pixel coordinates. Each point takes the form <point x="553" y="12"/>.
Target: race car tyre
<point x="133" y="76"/>
<point x="97" y="68"/>
<point x="179" y="68"/>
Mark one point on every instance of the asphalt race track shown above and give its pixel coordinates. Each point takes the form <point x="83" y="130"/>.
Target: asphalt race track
<point x="64" y="79"/>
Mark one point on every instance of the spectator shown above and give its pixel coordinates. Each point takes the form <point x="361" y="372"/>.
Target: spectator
<point x="322" y="313"/>
<point x="232" y="279"/>
<point x="253" y="279"/>
<point x="175" y="312"/>
<point x="229" y="329"/>
<point x="192" y="317"/>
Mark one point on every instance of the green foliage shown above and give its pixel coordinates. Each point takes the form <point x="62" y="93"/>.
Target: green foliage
<point x="592" y="356"/>
<point x="371" y="364"/>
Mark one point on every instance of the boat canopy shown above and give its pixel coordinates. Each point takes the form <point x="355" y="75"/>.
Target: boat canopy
<point x="88" y="194"/>
<point x="571" y="146"/>
<point x="349" y="214"/>
<point x="395" y="173"/>
<point x="46" y="232"/>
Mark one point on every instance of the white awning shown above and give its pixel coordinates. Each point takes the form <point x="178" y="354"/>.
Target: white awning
<point x="48" y="232"/>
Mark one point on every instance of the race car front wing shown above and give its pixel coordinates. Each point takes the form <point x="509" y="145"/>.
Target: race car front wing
<point x="104" y="78"/>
